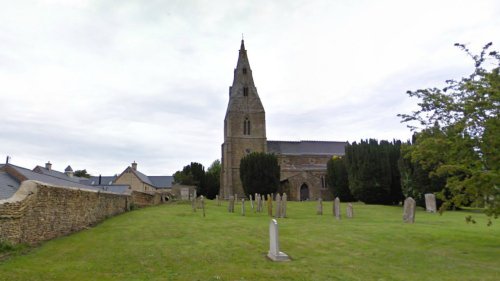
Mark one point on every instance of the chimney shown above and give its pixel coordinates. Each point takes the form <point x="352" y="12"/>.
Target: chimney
<point x="68" y="171"/>
<point x="48" y="166"/>
<point x="134" y="166"/>
<point x="7" y="160"/>
<point x="100" y="178"/>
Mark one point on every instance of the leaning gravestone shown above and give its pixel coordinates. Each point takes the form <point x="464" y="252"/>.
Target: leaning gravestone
<point x="349" y="211"/>
<point x="430" y="202"/>
<point x="274" y="245"/>
<point x="319" y="209"/>
<point x="202" y="202"/>
<point x="336" y="208"/>
<point x="230" y="206"/>
<point x="243" y="206"/>
<point x="278" y="206"/>
<point x="270" y="206"/>
<point x="409" y="210"/>
<point x="283" y="206"/>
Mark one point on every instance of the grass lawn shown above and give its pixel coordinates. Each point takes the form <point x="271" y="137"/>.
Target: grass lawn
<point x="170" y="242"/>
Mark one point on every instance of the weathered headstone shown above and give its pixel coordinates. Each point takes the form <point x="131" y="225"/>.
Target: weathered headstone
<point x="217" y="199"/>
<point x="430" y="202"/>
<point x="336" y="208"/>
<point x="242" y="206"/>
<point x="251" y="201"/>
<point x="202" y="202"/>
<point x="236" y="198"/>
<point x="349" y="211"/>
<point x="185" y="193"/>
<point x="278" y="206"/>
<point x="231" y="204"/>
<point x="283" y="205"/>
<point x="262" y="201"/>
<point x="319" y="208"/>
<point x="274" y="245"/>
<point x="193" y="204"/>
<point x="194" y="194"/>
<point x="270" y="206"/>
<point x="409" y="210"/>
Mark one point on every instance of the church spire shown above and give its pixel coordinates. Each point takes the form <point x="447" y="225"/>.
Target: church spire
<point x="242" y="47"/>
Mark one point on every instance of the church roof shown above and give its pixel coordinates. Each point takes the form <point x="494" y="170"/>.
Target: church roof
<point x="306" y="147"/>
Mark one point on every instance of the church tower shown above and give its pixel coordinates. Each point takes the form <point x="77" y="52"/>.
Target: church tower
<point x="244" y="126"/>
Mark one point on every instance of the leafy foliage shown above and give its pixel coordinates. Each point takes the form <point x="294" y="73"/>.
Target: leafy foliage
<point x="192" y="174"/>
<point x="81" y="173"/>
<point x="459" y="137"/>
<point x="212" y="179"/>
<point x="338" y="180"/>
<point x="259" y="173"/>
<point x="373" y="172"/>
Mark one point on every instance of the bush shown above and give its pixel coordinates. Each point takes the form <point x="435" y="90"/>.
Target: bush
<point x="259" y="173"/>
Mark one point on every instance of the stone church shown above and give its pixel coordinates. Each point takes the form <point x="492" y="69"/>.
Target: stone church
<point x="302" y="163"/>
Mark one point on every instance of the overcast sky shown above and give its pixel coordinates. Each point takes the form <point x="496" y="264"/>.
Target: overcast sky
<point x="99" y="84"/>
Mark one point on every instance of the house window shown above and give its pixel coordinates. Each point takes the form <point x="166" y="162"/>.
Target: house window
<point x="246" y="127"/>
<point x="245" y="91"/>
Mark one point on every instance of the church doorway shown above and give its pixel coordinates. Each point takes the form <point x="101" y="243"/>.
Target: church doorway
<point x="304" y="192"/>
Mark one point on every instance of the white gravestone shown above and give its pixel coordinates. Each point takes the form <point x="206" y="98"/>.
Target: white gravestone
<point x="336" y="208"/>
<point x="409" y="210"/>
<point x="243" y="206"/>
<point x="430" y="202"/>
<point x="283" y="205"/>
<point x="349" y="211"/>
<point x="278" y="206"/>
<point x="319" y="210"/>
<point x="251" y="201"/>
<point x="274" y="244"/>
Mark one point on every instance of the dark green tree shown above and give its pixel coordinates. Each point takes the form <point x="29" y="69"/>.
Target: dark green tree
<point x="192" y="174"/>
<point x="81" y="173"/>
<point x="259" y="173"/>
<point x="458" y="133"/>
<point x="336" y="176"/>
<point x="212" y="179"/>
<point x="373" y="173"/>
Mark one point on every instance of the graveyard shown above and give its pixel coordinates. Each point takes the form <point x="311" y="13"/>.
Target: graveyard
<point x="173" y="242"/>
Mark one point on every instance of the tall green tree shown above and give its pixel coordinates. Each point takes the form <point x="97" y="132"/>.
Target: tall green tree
<point x="259" y="173"/>
<point x="373" y="173"/>
<point x="458" y="132"/>
<point x="212" y="179"/>
<point x="81" y="173"/>
<point x="192" y="174"/>
<point x="336" y="176"/>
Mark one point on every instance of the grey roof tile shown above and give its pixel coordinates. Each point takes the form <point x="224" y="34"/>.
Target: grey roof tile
<point x="8" y="185"/>
<point x="162" y="181"/>
<point x="307" y="147"/>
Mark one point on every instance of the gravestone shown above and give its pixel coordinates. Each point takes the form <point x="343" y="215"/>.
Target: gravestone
<point x="251" y="202"/>
<point x="430" y="202"/>
<point x="217" y="200"/>
<point x="349" y="211"/>
<point x="269" y="205"/>
<point x="185" y="193"/>
<point x="278" y="206"/>
<point x="202" y="202"/>
<point x="262" y="203"/>
<point x="409" y="210"/>
<point x="336" y="208"/>
<point x="193" y="204"/>
<point x="319" y="208"/>
<point x="243" y="206"/>
<point x="230" y="206"/>
<point x="236" y="198"/>
<point x="283" y="205"/>
<point x="274" y="245"/>
<point x="194" y="194"/>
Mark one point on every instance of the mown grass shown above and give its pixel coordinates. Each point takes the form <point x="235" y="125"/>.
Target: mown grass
<point x="170" y="242"/>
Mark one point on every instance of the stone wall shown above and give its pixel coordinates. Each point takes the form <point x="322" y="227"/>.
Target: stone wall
<point x="39" y="212"/>
<point x="144" y="199"/>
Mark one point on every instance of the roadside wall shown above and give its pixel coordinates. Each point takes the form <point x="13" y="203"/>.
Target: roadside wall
<point x="39" y="212"/>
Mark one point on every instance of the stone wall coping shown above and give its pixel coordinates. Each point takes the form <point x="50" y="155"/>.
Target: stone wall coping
<point x="29" y="187"/>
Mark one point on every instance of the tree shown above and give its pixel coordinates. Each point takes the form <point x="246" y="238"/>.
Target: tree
<point x="192" y="174"/>
<point x="212" y="179"/>
<point x="373" y="174"/>
<point x="336" y="176"/>
<point x="259" y="173"/>
<point x="458" y="137"/>
<point x="81" y="173"/>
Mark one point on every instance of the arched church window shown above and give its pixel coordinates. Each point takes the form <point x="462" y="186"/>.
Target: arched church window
<point x="244" y="70"/>
<point x="246" y="127"/>
<point x="245" y="91"/>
